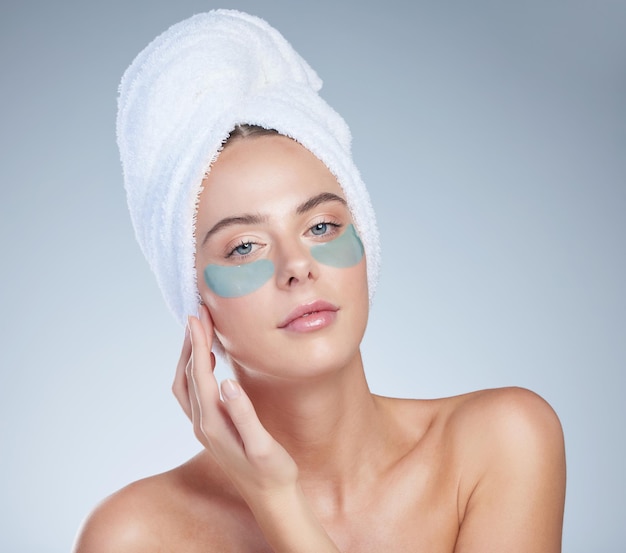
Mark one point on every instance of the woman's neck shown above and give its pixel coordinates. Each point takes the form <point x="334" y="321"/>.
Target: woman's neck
<point x="329" y="424"/>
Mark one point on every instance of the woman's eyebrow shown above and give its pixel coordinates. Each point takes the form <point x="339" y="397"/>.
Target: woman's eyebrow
<point x="255" y="219"/>
<point x="246" y="219"/>
<point x="313" y="202"/>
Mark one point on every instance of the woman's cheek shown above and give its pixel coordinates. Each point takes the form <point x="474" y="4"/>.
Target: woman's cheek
<point x="236" y="323"/>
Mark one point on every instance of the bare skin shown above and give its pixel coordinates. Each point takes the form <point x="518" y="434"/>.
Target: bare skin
<point x="319" y="463"/>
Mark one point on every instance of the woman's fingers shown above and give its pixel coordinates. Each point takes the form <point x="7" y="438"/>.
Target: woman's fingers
<point x="212" y="425"/>
<point x="179" y="386"/>
<point x="255" y="438"/>
<point x="208" y="409"/>
<point x="200" y="371"/>
<point x="230" y="429"/>
<point x="207" y="325"/>
<point x="261" y="450"/>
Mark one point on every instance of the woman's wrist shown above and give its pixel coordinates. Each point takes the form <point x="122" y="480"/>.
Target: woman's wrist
<point x="289" y="524"/>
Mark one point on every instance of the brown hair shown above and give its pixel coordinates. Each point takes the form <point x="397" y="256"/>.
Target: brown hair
<point x="246" y="131"/>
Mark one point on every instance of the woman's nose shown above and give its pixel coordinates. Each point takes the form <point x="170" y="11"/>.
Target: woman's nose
<point x="295" y="265"/>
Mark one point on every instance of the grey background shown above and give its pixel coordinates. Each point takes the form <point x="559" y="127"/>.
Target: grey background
<point x="491" y="135"/>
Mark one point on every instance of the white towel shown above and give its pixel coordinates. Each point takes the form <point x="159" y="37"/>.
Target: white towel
<point x="179" y="100"/>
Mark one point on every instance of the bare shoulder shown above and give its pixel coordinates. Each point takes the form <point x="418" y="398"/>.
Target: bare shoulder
<point x="127" y="521"/>
<point x="191" y="508"/>
<point x="507" y="417"/>
<point x="513" y="470"/>
<point x="513" y="414"/>
<point x="505" y="427"/>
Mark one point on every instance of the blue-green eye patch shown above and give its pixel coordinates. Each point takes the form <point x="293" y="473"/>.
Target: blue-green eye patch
<point x="344" y="251"/>
<point x="238" y="280"/>
<point x="234" y="281"/>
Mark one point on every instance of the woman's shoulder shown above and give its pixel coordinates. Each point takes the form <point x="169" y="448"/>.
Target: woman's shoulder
<point x="511" y="400"/>
<point x="497" y="423"/>
<point x="498" y="413"/>
<point x="511" y="466"/>
<point x="478" y="433"/>
<point x="494" y="431"/>
<point x="152" y="511"/>
<point x="503" y="449"/>
<point x="127" y="520"/>
<point x="507" y="416"/>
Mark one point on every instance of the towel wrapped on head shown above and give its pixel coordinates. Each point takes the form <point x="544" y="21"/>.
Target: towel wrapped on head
<point x="180" y="99"/>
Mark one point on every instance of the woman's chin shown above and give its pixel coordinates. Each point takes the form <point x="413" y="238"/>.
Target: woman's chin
<point x="298" y="365"/>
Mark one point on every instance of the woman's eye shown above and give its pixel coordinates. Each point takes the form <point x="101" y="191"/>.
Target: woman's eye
<point x="320" y="229"/>
<point x="243" y="249"/>
<point x="325" y="229"/>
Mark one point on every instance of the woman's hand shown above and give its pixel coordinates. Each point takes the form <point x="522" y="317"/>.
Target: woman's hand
<point x="258" y="466"/>
<point x="230" y="429"/>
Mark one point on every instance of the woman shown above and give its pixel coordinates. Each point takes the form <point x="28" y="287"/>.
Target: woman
<point x="276" y="251"/>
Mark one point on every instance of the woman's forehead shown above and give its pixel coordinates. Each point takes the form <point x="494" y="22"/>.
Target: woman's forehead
<point x="271" y="173"/>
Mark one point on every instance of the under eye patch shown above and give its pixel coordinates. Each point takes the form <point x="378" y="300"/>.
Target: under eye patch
<point x="344" y="251"/>
<point x="234" y="281"/>
<point x="240" y="280"/>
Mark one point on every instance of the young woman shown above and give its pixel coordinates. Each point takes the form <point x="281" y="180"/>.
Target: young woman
<point x="298" y="454"/>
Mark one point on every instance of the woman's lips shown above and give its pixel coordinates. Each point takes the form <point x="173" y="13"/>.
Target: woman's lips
<point x="310" y="316"/>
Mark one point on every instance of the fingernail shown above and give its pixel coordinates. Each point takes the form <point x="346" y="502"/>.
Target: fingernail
<point x="230" y="389"/>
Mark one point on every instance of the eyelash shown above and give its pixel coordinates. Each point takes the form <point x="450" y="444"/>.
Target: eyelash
<point x="233" y="252"/>
<point x="335" y="226"/>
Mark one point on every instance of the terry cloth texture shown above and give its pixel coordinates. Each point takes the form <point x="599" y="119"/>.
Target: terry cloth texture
<point x="178" y="102"/>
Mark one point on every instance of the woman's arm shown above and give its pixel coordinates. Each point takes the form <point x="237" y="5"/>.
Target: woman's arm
<point x="258" y="466"/>
<point x="517" y="460"/>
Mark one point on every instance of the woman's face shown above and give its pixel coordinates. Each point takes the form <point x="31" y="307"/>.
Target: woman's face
<point x="268" y="205"/>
